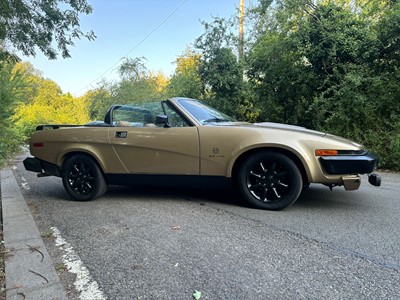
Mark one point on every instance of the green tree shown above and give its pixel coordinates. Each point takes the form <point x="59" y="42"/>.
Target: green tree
<point x="98" y="101"/>
<point x="137" y="84"/>
<point x="50" y="26"/>
<point x="330" y="65"/>
<point x="45" y="103"/>
<point x="219" y="68"/>
<point x="12" y="92"/>
<point x="186" y="82"/>
<point x="43" y="24"/>
<point x="133" y="69"/>
<point x="281" y="80"/>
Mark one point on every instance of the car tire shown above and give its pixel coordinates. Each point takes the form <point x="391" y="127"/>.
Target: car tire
<point x="270" y="180"/>
<point x="82" y="178"/>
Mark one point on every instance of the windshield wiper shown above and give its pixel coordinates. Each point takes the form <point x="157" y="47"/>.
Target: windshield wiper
<point x="216" y="120"/>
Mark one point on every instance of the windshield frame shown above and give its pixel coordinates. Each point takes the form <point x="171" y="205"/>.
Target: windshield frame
<point x="203" y="113"/>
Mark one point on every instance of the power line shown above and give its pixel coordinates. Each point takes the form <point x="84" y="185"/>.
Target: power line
<point x="136" y="46"/>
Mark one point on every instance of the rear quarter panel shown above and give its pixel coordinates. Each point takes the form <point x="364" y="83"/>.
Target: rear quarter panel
<point x="60" y="142"/>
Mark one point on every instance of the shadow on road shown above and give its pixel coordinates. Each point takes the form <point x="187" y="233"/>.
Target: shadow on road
<point x="315" y="197"/>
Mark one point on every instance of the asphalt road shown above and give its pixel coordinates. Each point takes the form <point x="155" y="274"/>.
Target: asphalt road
<point x="165" y="243"/>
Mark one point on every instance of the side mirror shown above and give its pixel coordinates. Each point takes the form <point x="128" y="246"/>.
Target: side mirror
<point x="162" y="120"/>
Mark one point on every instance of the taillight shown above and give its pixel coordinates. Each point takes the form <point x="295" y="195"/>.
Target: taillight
<point x="38" y="145"/>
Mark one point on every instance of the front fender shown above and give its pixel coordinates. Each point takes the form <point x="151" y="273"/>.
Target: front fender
<point x="242" y="153"/>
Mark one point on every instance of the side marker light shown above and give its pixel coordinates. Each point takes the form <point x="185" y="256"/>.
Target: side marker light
<point x="326" y="152"/>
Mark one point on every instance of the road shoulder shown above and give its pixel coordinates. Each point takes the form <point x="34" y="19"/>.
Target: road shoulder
<point x="29" y="270"/>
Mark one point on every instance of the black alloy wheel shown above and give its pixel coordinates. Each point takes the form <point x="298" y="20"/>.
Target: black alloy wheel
<point x="270" y="180"/>
<point x="82" y="178"/>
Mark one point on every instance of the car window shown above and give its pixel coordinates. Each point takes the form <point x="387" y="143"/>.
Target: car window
<point x="175" y="119"/>
<point x="137" y="114"/>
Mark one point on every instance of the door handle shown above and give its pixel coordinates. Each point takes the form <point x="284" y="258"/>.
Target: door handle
<point x="121" y="134"/>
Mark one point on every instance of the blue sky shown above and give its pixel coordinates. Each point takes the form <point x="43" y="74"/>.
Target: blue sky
<point x="120" y="25"/>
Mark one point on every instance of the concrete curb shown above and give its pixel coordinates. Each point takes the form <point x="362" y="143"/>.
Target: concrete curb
<point x="29" y="270"/>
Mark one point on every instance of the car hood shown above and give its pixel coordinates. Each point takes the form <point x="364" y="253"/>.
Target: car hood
<point x="306" y="130"/>
<point x="288" y="127"/>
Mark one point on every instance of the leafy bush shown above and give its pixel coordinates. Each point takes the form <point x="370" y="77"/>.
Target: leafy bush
<point x="9" y="85"/>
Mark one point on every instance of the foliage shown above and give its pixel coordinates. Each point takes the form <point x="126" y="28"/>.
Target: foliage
<point x="133" y="69"/>
<point x="44" y="103"/>
<point x="186" y="82"/>
<point x="43" y="23"/>
<point x="98" y="101"/>
<point x="330" y="65"/>
<point x="10" y="86"/>
<point x="219" y="67"/>
<point x="280" y="80"/>
<point x="26" y="98"/>
<point x="137" y="84"/>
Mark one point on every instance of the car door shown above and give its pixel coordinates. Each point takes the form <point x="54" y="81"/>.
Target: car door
<point x="155" y="149"/>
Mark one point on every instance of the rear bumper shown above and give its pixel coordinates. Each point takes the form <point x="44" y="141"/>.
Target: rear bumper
<point x="32" y="164"/>
<point x="42" y="167"/>
<point x="342" y="164"/>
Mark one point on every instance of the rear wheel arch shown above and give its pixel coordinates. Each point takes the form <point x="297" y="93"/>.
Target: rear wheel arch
<point x="82" y="176"/>
<point x="67" y="155"/>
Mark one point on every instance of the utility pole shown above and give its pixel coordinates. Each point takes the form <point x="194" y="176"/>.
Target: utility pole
<point x="241" y="29"/>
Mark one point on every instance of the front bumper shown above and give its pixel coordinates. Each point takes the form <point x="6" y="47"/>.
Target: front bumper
<point x="43" y="168"/>
<point x="349" y="164"/>
<point x="352" y="182"/>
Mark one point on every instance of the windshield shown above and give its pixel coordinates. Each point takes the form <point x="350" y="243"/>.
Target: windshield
<point x="203" y="113"/>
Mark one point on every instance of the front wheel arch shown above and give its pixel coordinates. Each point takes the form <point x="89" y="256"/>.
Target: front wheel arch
<point x="239" y="161"/>
<point x="269" y="179"/>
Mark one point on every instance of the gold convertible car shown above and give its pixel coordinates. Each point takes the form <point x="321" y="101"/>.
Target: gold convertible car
<point x="185" y="142"/>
